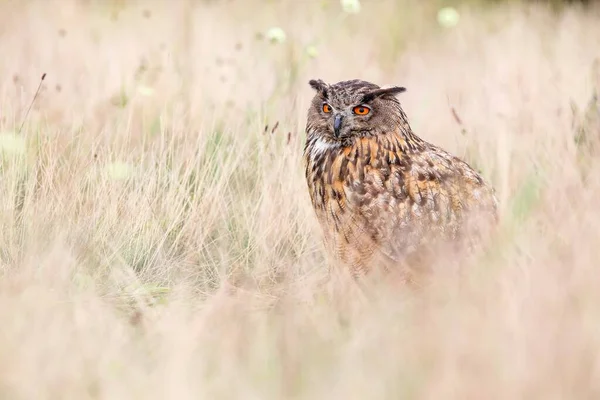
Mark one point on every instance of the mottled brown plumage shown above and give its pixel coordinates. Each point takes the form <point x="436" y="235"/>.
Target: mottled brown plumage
<point x="383" y="196"/>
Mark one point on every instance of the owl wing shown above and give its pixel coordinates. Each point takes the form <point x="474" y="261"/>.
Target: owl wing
<point x="420" y="198"/>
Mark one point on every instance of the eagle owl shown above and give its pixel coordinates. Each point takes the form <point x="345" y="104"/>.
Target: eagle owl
<point x="383" y="196"/>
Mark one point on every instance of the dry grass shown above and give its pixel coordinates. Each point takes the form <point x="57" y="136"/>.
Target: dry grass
<point x="122" y="288"/>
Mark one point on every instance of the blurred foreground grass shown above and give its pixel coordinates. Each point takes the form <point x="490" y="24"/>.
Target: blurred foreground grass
<point x="157" y="240"/>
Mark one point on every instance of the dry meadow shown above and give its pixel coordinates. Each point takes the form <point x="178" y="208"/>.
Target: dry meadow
<point x="157" y="239"/>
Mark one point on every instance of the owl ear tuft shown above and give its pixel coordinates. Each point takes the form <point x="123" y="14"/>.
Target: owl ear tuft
<point x="393" y="91"/>
<point x="319" y="86"/>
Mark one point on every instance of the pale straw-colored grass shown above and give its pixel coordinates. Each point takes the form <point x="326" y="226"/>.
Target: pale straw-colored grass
<point x="158" y="241"/>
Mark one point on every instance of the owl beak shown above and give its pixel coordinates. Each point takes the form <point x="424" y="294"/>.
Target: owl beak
<point x="337" y="125"/>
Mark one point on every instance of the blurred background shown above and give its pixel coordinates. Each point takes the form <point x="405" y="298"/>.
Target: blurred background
<point x="202" y="55"/>
<point x="157" y="239"/>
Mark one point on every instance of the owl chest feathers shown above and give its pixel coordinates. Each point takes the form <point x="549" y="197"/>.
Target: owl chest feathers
<point x="364" y="167"/>
<point x="389" y="193"/>
<point x="357" y="177"/>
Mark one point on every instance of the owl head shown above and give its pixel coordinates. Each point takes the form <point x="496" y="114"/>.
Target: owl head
<point x="353" y="108"/>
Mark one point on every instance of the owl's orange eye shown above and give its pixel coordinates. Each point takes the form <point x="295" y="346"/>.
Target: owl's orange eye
<point x="326" y="108"/>
<point x="361" y="110"/>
